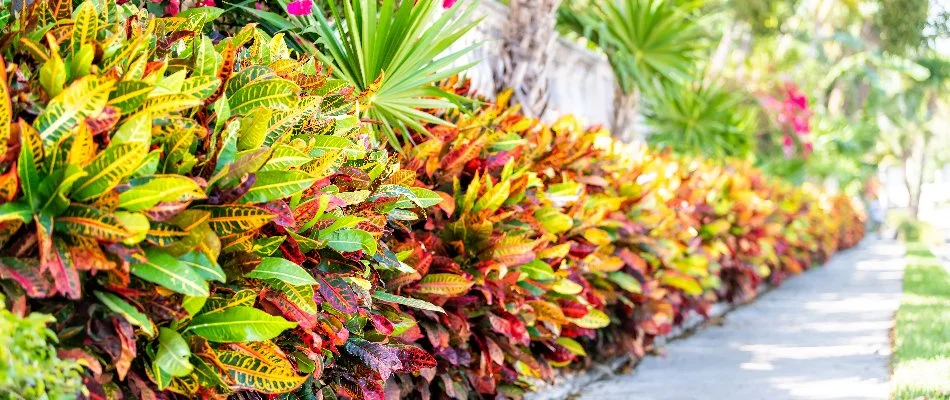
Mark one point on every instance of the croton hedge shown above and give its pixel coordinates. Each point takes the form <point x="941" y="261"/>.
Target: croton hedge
<point x="209" y="217"/>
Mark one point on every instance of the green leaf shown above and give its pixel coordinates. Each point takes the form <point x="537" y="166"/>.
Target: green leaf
<point x="131" y="314"/>
<point x="137" y="129"/>
<point x="567" y="286"/>
<point x="538" y="270"/>
<point x="572" y="345"/>
<point x="200" y="86"/>
<point x="301" y="295"/>
<point x="205" y="267"/>
<point x="271" y="93"/>
<point x="168" y="103"/>
<point x="273" y="185"/>
<point x="85" y="25"/>
<point x="149" y="191"/>
<point x="625" y="281"/>
<point x="108" y="169"/>
<point x="136" y="224"/>
<point x="406" y="301"/>
<point x="193" y="304"/>
<point x="130" y="94"/>
<point x="425" y="197"/>
<point x="91" y="222"/>
<point x="29" y="177"/>
<point x="348" y="240"/>
<point x="171" y="273"/>
<point x="53" y="75"/>
<point x="206" y="59"/>
<point x="553" y="221"/>
<point x="687" y="284"/>
<point x="286" y="157"/>
<point x="324" y="144"/>
<point x="172" y="354"/>
<point x="239" y="324"/>
<point x="281" y="269"/>
<point x="82" y="99"/>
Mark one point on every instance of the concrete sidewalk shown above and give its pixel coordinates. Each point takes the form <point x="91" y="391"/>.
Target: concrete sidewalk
<point x="821" y="335"/>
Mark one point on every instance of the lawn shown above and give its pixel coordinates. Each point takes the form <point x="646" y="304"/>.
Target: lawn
<point x="922" y="332"/>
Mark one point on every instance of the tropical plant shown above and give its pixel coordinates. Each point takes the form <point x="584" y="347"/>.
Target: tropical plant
<point x="555" y="243"/>
<point x="901" y="24"/>
<point x="29" y="365"/>
<point x="200" y="218"/>
<point x="701" y="118"/>
<point x="644" y="40"/>
<point x="526" y="53"/>
<point x="392" y="51"/>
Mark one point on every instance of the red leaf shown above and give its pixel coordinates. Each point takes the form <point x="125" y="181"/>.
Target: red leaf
<point x="338" y="293"/>
<point x="381" y="359"/>
<point x="414" y="359"/>
<point x="288" y="309"/>
<point x="85" y="359"/>
<point x="26" y="273"/>
<point x="382" y="325"/>
<point x="283" y="215"/>
<point x="104" y="121"/>
<point x="64" y="273"/>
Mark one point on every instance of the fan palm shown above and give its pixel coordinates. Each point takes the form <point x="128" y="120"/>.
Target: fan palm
<point x="701" y="118"/>
<point x="392" y="51"/>
<point x="644" y="40"/>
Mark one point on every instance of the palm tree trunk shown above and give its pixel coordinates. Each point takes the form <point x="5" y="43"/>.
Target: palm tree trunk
<point x="526" y="52"/>
<point x="626" y="110"/>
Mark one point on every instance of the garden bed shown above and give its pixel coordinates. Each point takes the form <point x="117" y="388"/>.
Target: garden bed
<point x="203" y="217"/>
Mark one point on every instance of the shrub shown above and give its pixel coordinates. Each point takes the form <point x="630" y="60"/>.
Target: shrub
<point x="198" y="217"/>
<point x="29" y="366"/>
<point x="203" y="218"/>
<point x="555" y="242"/>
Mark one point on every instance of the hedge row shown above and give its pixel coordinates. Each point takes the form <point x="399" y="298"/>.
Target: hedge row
<point x="557" y="242"/>
<point x="207" y="217"/>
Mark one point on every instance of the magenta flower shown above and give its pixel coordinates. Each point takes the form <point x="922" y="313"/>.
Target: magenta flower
<point x="448" y="3"/>
<point x="173" y="7"/>
<point x="800" y="125"/>
<point x="300" y="7"/>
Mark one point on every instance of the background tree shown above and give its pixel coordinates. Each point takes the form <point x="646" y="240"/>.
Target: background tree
<point x="646" y="41"/>
<point x="526" y="52"/>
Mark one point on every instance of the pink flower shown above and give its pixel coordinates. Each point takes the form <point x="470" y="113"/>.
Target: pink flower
<point x="448" y="3"/>
<point x="800" y="124"/>
<point x="260" y="6"/>
<point x="808" y="148"/>
<point x="173" y="7"/>
<point x="795" y="96"/>
<point x="788" y="146"/>
<point x="300" y="7"/>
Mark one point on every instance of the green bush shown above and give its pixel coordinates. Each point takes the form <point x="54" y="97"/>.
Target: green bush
<point x="29" y="367"/>
<point x="912" y="230"/>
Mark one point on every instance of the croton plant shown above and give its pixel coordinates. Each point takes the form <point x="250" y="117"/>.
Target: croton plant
<point x="556" y="242"/>
<point x="199" y="217"/>
<point x="210" y="218"/>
